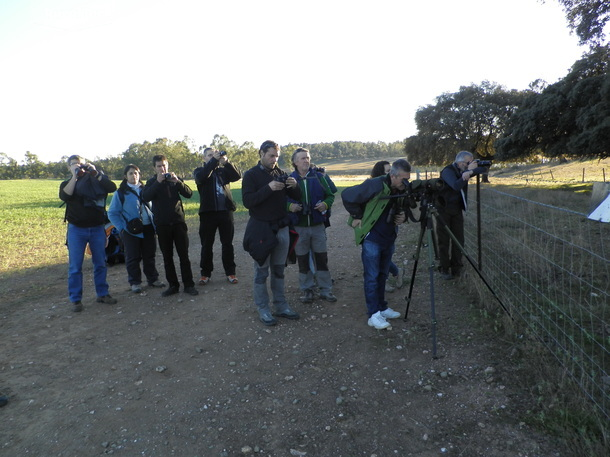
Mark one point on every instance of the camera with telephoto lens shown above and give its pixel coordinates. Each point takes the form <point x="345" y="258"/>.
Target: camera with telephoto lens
<point x="167" y="176"/>
<point x="425" y="191"/>
<point x="319" y="169"/>
<point x="483" y="163"/>
<point x="222" y="153"/>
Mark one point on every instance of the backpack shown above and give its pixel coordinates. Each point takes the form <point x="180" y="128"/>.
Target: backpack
<point x="115" y="252"/>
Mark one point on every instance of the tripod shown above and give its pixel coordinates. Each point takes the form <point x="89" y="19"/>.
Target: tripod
<point x="428" y="212"/>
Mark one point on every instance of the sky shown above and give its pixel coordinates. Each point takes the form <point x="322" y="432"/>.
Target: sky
<point x="91" y="77"/>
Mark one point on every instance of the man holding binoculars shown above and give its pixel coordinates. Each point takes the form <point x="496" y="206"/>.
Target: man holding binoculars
<point x="85" y="197"/>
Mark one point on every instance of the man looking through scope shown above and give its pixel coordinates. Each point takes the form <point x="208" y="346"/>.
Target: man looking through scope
<point x="455" y="196"/>
<point x="375" y="219"/>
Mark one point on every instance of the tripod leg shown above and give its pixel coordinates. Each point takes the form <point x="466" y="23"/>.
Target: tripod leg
<point x="415" y="262"/>
<point x="432" y="304"/>
<point x="439" y="220"/>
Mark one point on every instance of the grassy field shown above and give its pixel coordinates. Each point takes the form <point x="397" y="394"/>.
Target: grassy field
<point x="33" y="231"/>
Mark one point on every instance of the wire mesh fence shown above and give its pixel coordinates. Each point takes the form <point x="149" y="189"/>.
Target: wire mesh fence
<point x="551" y="267"/>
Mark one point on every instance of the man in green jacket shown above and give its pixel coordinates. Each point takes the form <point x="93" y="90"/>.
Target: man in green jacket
<point x="308" y="215"/>
<point x="375" y="218"/>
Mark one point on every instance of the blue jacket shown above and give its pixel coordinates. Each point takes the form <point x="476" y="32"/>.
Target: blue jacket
<point x="314" y="189"/>
<point x="120" y="212"/>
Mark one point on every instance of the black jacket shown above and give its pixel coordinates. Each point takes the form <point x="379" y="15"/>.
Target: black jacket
<point x="260" y="239"/>
<point x="207" y="177"/>
<point x="263" y="203"/>
<point x="82" y="211"/>
<point x="166" y="202"/>
<point x="454" y="186"/>
<point x="267" y="210"/>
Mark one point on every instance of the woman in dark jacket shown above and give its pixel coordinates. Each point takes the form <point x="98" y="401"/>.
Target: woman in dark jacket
<point x="139" y="243"/>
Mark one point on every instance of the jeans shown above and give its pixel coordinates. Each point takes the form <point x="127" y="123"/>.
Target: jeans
<point x="376" y="263"/>
<point x="140" y="250"/>
<point x="77" y="240"/>
<point x="313" y="239"/>
<point x="209" y="222"/>
<point x="170" y="235"/>
<point x="277" y="262"/>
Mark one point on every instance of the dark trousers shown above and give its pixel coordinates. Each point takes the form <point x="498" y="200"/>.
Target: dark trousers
<point x="449" y="253"/>
<point x="209" y="222"/>
<point x="140" y="250"/>
<point x="170" y="236"/>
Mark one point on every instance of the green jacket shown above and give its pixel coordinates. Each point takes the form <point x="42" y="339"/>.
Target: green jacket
<point x="363" y="201"/>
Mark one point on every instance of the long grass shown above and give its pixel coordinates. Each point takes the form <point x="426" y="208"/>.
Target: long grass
<point x="33" y="232"/>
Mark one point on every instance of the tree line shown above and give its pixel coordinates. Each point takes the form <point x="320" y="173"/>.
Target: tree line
<point x="184" y="156"/>
<point x="567" y="119"/>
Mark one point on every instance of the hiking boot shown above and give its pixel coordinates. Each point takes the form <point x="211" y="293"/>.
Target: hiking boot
<point x="389" y="288"/>
<point x="328" y="297"/>
<point x="191" y="290"/>
<point x="287" y="313"/>
<point x="169" y="291"/>
<point x="77" y="306"/>
<point x="307" y="296"/>
<point x="4" y="399"/>
<point x="107" y="299"/>
<point x="204" y="280"/>
<point x="378" y="321"/>
<point x="232" y="279"/>
<point x="389" y="313"/>
<point x="266" y="317"/>
<point x="136" y="288"/>
<point x="157" y="283"/>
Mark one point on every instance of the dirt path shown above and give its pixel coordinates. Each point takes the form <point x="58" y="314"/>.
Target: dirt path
<point x="201" y="376"/>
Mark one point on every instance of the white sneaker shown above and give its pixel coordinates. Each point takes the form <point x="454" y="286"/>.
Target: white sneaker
<point x="399" y="277"/>
<point x="389" y="313"/>
<point x="378" y="321"/>
<point x="136" y="288"/>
